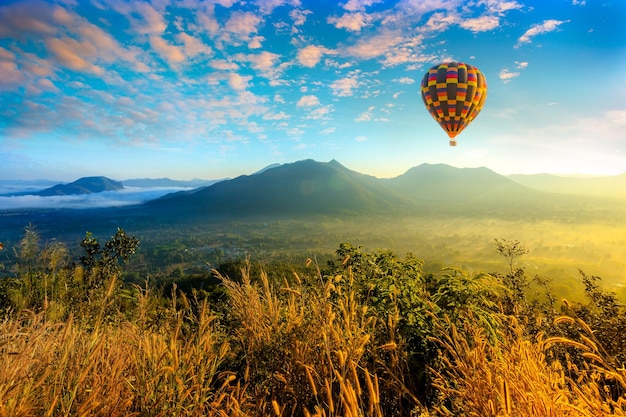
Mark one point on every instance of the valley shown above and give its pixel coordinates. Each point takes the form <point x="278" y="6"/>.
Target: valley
<point x="447" y="217"/>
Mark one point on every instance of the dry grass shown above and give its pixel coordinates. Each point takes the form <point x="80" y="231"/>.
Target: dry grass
<point x="61" y="370"/>
<point x="309" y="348"/>
<point x="514" y="378"/>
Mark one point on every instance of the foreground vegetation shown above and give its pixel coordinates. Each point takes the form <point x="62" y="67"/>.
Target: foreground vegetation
<point x="365" y="334"/>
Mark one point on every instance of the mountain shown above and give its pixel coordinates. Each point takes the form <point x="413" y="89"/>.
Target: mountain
<point x="167" y="182"/>
<point x="304" y="187"/>
<point x="85" y="185"/>
<point x="266" y="168"/>
<point x="444" y="183"/>
<point x="609" y="186"/>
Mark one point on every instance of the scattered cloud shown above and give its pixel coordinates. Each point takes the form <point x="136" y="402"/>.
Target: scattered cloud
<point x="353" y="22"/>
<point x="344" y="87"/>
<point x="310" y="55"/>
<point x="308" y="101"/>
<point x="481" y="24"/>
<point x="538" y="29"/>
<point x="507" y="75"/>
<point x="359" y="5"/>
<point x="366" y="116"/>
<point x="374" y="46"/>
<point x="226" y="72"/>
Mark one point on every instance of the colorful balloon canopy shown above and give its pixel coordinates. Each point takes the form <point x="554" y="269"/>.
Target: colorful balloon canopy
<point x="454" y="94"/>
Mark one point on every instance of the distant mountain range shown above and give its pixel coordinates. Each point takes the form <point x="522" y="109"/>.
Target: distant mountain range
<point x="85" y="185"/>
<point x="310" y="187"/>
<point x="304" y="187"/>
<point x="166" y="182"/>
<point x="596" y="186"/>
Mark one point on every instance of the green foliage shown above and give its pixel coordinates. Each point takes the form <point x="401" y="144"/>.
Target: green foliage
<point x="103" y="261"/>
<point x="47" y="280"/>
<point x="298" y="339"/>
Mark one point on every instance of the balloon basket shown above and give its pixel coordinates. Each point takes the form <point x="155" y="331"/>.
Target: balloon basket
<point x="452" y="142"/>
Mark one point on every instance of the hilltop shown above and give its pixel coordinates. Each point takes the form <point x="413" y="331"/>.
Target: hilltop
<point x="85" y="185"/>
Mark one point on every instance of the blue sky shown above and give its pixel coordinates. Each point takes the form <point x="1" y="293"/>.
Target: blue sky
<point x="212" y="89"/>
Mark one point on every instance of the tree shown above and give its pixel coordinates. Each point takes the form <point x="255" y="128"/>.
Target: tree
<point x="102" y="262"/>
<point x="510" y="249"/>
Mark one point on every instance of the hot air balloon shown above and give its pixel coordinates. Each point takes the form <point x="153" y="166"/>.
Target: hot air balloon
<point x="454" y="94"/>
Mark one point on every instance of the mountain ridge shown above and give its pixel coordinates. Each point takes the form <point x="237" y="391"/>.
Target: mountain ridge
<point x="304" y="187"/>
<point x="613" y="185"/>
<point x="308" y="186"/>
<point x="83" y="185"/>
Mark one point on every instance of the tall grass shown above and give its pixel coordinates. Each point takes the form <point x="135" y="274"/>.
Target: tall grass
<point x="49" y="369"/>
<point x="514" y="377"/>
<point x="308" y="346"/>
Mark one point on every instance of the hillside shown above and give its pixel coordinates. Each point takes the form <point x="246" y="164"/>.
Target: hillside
<point x="445" y="183"/>
<point x="611" y="186"/>
<point x="310" y="187"/>
<point x="303" y="187"/>
<point x="167" y="182"/>
<point x="85" y="185"/>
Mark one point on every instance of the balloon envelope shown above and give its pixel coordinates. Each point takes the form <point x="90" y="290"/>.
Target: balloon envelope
<point x="454" y="94"/>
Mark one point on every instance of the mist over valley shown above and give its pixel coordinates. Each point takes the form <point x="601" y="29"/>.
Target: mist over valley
<point x="445" y="215"/>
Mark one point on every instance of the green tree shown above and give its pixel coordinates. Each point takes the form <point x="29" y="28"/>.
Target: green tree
<point x="102" y="262"/>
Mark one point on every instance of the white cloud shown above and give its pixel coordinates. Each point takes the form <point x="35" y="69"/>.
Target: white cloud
<point x="71" y="54"/>
<point x="308" y="101"/>
<point x="276" y="116"/>
<point x="351" y="21"/>
<point x="480" y="24"/>
<point x="405" y="80"/>
<point x="265" y="64"/>
<point x="255" y="42"/>
<point x="357" y="5"/>
<point x="267" y="6"/>
<point x="366" y="116"/>
<point x="310" y="55"/>
<point x="193" y="46"/>
<point x="319" y="113"/>
<point x="360" y="138"/>
<point x="243" y="24"/>
<point x="12" y="77"/>
<point x="438" y="22"/>
<point x="171" y="53"/>
<point x="500" y="6"/>
<point x="299" y="16"/>
<point x="375" y="46"/>
<point x="223" y="65"/>
<point x="344" y="87"/>
<point x="538" y="29"/>
<point x="238" y="82"/>
<point x="422" y="7"/>
<point x="506" y="75"/>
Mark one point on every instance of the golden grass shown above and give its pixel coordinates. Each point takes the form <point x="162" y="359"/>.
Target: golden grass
<point x="51" y="369"/>
<point x="514" y="378"/>
<point x="305" y="349"/>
